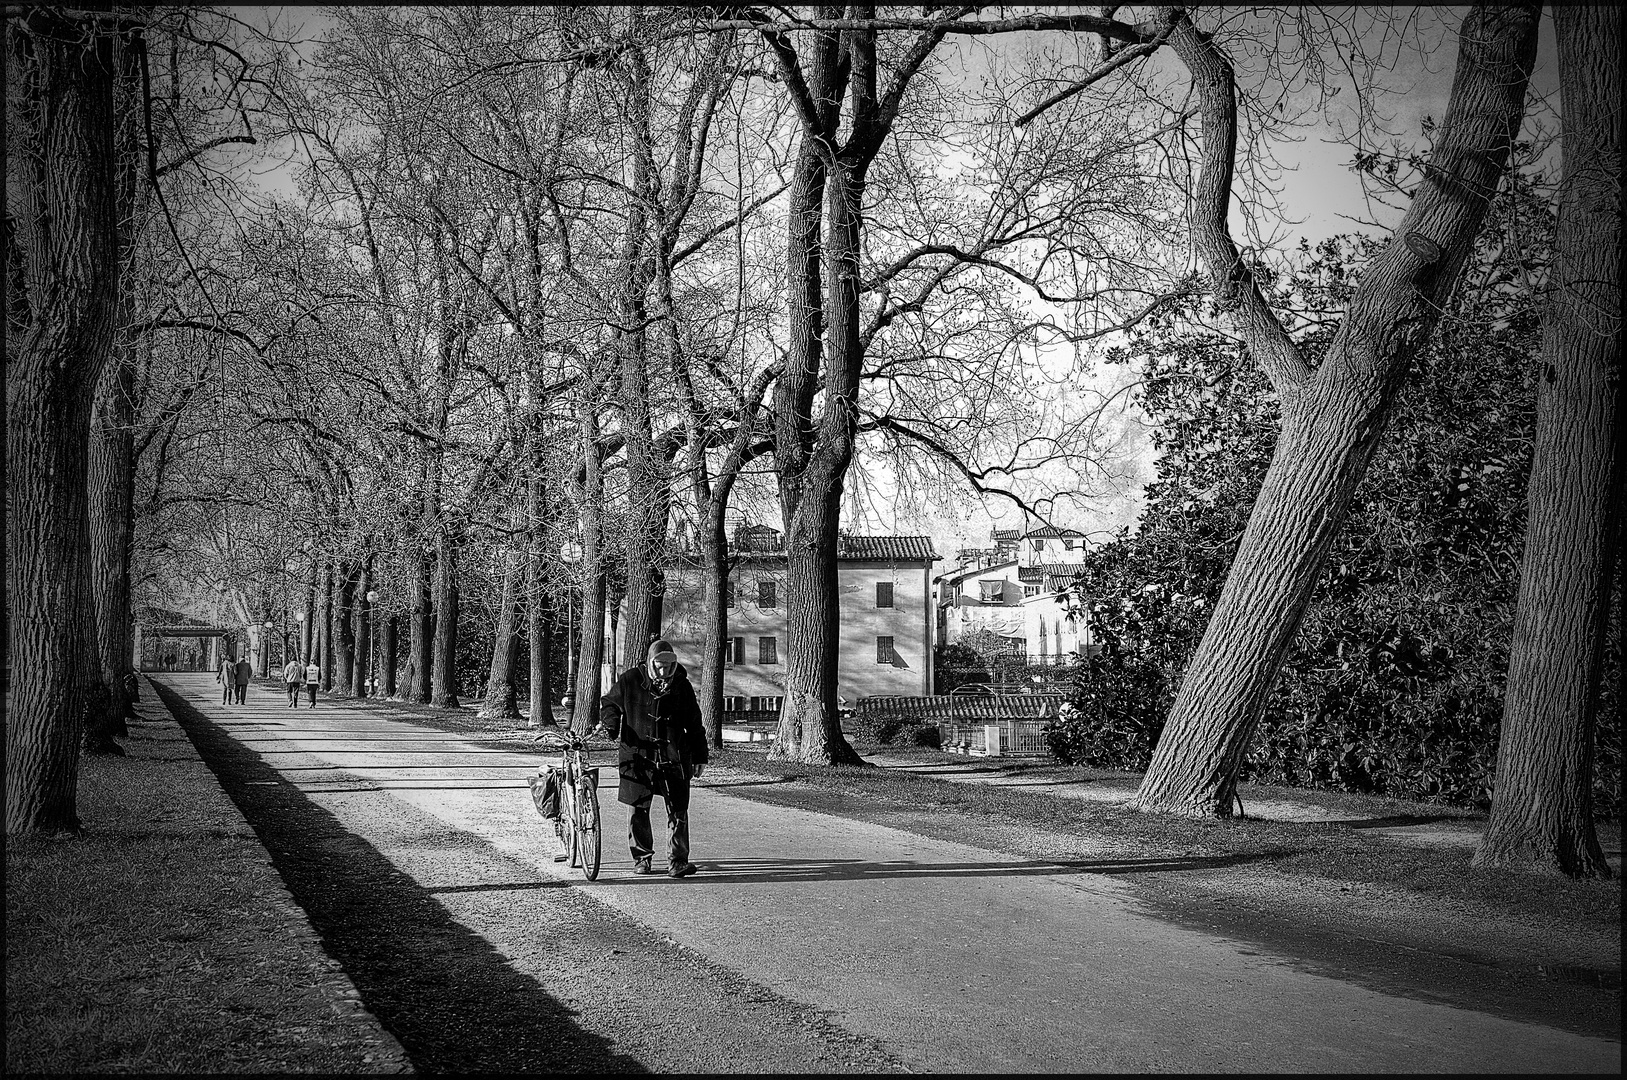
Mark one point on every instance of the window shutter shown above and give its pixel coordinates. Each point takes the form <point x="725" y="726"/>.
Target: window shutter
<point x="768" y="650"/>
<point x="884" y="594"/>
<point x="884" y="650"/>
<point x="765" y="594"/>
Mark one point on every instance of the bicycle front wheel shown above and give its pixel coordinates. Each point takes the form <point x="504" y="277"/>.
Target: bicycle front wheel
<point x="587" y="828"/>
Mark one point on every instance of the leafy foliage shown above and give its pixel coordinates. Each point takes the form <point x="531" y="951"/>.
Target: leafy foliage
<point x="1395" y="683"/>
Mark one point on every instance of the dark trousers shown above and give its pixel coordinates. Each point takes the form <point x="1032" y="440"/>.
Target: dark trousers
<point x="312" y="688"/>
<point x="293" y="695"/>
<point x="242" y="692"/>
<point x="672" y="783"/>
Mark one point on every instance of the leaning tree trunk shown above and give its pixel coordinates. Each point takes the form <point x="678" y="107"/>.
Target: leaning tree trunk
<point x="112" y="494"/>
<point x="589" y="646"/>
<point x="1332" y="416"/>
<point x="445" y="670"/>
<point x="1542" y="805"/>
<point x="63" y="234"/>
<point x="501" y="697"/>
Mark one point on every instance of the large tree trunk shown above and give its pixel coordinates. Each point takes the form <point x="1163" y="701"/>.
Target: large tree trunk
<point x="715" y="629"/>
<point x="501" y="697"/>
<point x="1332" y="416"/>
<point x="810" y="729"/>
<point x="537" y="635"/>
<point x="1542" y="806"/>
<point x="387" y="656"/>
<point x="324" y="645"/>
<point x="62" y="233"/>
<point x="344" y="676"/>
<point x="589" y="646"/>
<point x="419" y="625"/>
<point x="364" y="628"/>
<point x="307" y="625"/>
<point x="112" y="495"/>
<point x="445" y="691"/>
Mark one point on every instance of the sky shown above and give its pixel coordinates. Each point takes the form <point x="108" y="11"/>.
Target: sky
<point x="1317" y="193"/>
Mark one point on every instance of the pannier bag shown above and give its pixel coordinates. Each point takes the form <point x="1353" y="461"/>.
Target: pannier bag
<point x="545" y="791"/>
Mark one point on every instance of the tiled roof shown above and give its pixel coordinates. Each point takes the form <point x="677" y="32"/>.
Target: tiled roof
<point x="1006" y="534"/>
<point x="1057" y="579"/>
<point x="1049" y="532"/>
<point x="896" y="548"/>
<point x="1046" y="573"/>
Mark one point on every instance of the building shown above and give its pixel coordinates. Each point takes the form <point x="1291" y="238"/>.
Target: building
<point x="1011" y="589"/>
<point x="885" y="617"/>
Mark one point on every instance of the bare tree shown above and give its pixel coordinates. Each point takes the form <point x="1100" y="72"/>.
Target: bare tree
<point x="1332" y="414"/>
<point x="1541" y="813"/>
<point x="63" y="248"/>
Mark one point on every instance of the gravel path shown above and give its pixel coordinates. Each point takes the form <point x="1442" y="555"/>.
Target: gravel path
<point x="808" y="943"/>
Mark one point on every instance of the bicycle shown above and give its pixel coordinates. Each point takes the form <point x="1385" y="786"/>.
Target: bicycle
<point x="578" y="824"/>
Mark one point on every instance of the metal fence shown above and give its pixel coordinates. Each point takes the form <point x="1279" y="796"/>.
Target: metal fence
<point x="1018" y="738"/>
<point x="961" y="718"/>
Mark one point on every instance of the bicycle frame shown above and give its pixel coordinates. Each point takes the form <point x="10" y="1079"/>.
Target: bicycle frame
<point x="578" y="826"/>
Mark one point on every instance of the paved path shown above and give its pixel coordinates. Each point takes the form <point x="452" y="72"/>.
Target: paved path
<point x="957" y="959"/>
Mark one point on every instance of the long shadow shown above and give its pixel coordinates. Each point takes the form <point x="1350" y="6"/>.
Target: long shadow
<point x="452" y="1001"/>
<point x="742" y="871"/>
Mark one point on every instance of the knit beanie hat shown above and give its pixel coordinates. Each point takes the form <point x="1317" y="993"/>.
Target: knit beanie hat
<point x="661" y="649"/>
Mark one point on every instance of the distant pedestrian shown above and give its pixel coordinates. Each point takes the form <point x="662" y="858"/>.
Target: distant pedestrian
<point x="294" y="675"/>
<point x="227" y="678"/>
<point x="244" y="672"/>
<point x="313" y="676"/>
<point x="651" y="710"/>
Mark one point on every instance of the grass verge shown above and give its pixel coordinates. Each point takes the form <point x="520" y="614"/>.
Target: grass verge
<point x="159" y="941"/>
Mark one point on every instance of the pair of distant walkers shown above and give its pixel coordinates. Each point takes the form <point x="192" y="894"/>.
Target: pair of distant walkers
<point x="652" y="713"/>
<point x="233" y="678"/>
<point x="296" y="675"/>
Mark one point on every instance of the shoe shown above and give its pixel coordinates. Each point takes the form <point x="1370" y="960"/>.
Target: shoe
<point x="642" y="867"/>
<point x="682" y="870"/>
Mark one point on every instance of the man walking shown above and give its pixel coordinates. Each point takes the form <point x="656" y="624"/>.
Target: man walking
<point x="244" y="672"/>
<point x="652" y="712"/>
<point x="313" y="676"/>
<point x="293" y="675"/>
<point x="226" y="677"/>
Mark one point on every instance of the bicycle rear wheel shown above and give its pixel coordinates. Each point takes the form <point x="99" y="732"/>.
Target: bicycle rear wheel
<point x="588" y="832"/>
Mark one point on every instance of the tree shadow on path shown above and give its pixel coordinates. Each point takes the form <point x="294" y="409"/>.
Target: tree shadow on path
<point x="453" y="1001"/>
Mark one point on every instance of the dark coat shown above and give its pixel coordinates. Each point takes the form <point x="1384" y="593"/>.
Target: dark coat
<point x="655" y="727"/>
<point x="661" y="736"/>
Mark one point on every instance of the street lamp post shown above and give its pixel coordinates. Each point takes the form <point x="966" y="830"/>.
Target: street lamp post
<point x="372" y="598"/>
<point x="299" y="617"/>
<point x="571" y="553"/>
<point x="265" y="647"/>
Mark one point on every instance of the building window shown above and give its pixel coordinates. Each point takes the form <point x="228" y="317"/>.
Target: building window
<point x="768" y="650"/>
<point x="884" y="594"/>
<point x="992" y="591"/>
<point x="734" y="651"/>
<point x="734" y="703"/>
<point x="765" y="595"/>
<point x="884" y="651"/>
